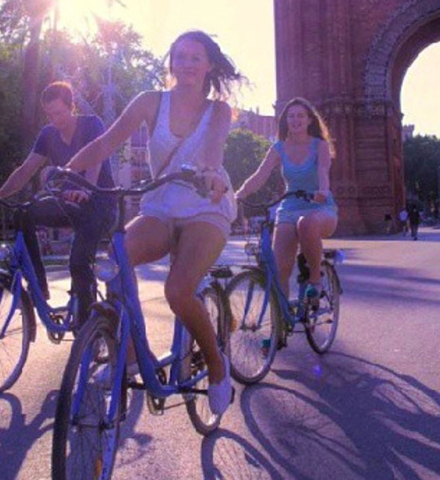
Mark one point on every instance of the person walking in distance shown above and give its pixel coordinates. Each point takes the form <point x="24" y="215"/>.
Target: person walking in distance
<point x="403" y="217"/>
<point x="414" y="221"/>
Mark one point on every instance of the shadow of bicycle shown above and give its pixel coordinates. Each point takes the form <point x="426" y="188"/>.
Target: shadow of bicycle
<point x="17" y="437"/>
<point x="346" y="418"/>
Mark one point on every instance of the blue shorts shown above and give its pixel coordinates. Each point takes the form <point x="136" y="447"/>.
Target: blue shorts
<point x="292" y="216"/>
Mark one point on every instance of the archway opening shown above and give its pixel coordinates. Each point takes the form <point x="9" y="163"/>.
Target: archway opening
<point x="420" y="106"/>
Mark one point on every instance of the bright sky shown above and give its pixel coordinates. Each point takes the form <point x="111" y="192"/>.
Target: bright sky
<point x="420" y="98"/>
<point x="245" y="32"/>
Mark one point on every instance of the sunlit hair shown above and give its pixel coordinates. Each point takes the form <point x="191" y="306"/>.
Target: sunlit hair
<point x="220" y="80"/>
<point x="58" y="91"/>
<point x="317" y="128"/>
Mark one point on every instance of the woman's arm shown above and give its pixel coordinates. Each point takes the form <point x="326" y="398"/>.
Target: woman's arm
<point x="260" y="177"/>
<point x="217" y="133"/>
<point x="94" y="153"/>
<point x="324" y="163"/>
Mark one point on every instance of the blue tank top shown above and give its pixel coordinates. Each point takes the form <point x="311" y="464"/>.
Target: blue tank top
<point x="301" y="177"/>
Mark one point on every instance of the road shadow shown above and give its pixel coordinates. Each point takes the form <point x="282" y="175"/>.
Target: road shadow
<point x="346" y="418"/>
<point x="389" y="284"/>
<point x="132" y="444"/>
<point x="226" y="455"/>
<point x="18" y="437"/>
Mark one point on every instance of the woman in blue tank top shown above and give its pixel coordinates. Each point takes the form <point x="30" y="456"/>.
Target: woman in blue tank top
<point x="303" y="152"/>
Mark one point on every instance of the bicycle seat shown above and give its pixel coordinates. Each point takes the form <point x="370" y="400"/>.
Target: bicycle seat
<point x="221" y="271"/>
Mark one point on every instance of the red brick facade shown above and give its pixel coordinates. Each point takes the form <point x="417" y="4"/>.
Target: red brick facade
<point x="264" y="125"/>
<point x="349" y="58"/>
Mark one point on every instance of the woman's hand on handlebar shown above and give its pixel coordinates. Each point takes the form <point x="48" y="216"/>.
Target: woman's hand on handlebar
<point x="215" y="184"/>
<point x="320" y="196"/>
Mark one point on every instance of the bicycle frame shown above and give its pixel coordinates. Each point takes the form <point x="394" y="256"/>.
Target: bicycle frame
<point x="21" y="267"/>
<point x="268" y="265"/>
<point x="123" y="297"/>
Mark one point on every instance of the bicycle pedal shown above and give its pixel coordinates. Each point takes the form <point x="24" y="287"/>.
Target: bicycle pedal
<point x="156" y="406"/>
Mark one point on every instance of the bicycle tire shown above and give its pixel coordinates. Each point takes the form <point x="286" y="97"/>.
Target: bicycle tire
<point x="197" y="405"/>
<point x="253" y="346"/>
<point x="85" y="447"/>
<point x="321" y="327"/>
<point x="14" y="346"/>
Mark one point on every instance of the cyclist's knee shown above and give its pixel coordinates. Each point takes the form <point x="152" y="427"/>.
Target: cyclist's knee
<point x="309" y="227"/>
<point x="178" y="295"/>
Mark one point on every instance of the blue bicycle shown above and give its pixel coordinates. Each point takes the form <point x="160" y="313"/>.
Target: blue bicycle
<point x="263" y="318"/>
<point x="93" y="396"/>
<point x="20" y="292"/>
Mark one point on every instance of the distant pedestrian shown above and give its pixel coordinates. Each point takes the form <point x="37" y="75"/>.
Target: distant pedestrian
<point x="388" y="221"/>
<point x="414" y="221"/>
<point x="403" y="217"/>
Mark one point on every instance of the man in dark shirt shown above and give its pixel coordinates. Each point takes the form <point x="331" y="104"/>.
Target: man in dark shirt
<point x="88" y="214"/>
<point x="414" y="221"/>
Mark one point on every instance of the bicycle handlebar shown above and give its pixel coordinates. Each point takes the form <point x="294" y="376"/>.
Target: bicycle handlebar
<point x="187" y="175"/>
<point x="308" y="197"/>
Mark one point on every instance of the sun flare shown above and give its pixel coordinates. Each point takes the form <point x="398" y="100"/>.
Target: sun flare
<point x="78" y="15"/>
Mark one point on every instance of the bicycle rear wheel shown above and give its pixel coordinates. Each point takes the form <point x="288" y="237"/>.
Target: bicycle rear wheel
<point x="14" y="345"/>
<point x="84" y="444"/>
<point x="255" y="327"/>
<point x="321" y="326"/>
<point x="197" y="405"/>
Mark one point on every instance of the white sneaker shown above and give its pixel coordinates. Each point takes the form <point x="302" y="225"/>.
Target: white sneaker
<point x="220" y="394"/>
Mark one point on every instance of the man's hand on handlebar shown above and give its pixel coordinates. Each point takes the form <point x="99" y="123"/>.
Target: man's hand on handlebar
<point x="76" y="196"/>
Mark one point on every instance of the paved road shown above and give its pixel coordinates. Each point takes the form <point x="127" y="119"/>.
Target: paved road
<point x="368" y="410"/>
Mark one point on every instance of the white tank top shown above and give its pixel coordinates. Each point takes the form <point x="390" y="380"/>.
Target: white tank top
<point x="176" y="200"/>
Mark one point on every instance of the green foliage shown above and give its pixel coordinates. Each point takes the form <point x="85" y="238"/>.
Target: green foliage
<point x="244" y="153"/>
<point x="422" y="163"/>
<point x="10" y="106"/>
<point x="111" y="65"/>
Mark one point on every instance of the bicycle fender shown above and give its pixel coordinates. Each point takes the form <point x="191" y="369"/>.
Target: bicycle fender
<point x="29" y="306"/>
<point x="6" y="280"/>
<point x="104" y="308"/>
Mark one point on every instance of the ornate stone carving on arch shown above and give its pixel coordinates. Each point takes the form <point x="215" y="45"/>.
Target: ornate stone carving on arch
<point x="376" y="78"/>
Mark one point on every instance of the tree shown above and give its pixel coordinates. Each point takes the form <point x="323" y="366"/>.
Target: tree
<point x="422" y="163"/>
<point x="10" y="106"/>
<point x="113" y="62"/>
<point x="244" y="153"/>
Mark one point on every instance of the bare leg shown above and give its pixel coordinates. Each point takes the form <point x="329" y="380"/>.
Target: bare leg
<point x="285" y="244"/>
<point x="312" y="228"/>
<point x="199" y="245"/>
<point x="147" y="239"/>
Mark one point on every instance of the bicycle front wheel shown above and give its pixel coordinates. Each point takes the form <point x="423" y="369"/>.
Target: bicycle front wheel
<point x="84" y="441"/>
<point x="321" y="326"/>
<point x="14" y="344"/>
<point x="197" y="405"/>
<point x="254" y="326"/>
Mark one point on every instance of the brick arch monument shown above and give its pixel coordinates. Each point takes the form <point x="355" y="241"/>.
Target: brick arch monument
<point x="349" y="58"/>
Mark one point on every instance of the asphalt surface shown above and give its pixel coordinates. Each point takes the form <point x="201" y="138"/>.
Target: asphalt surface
<point x="370" y="409"/>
